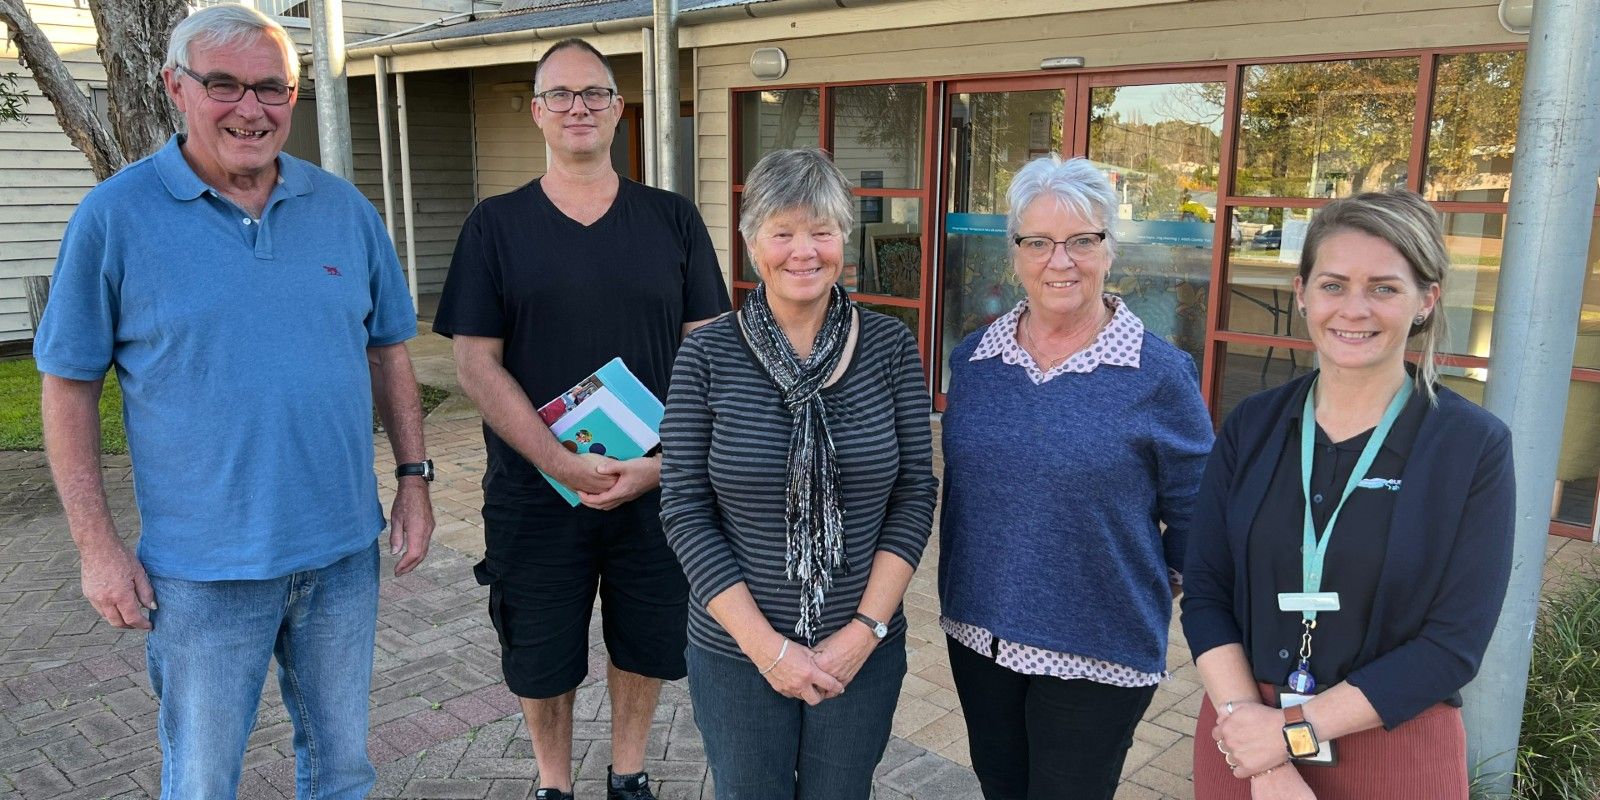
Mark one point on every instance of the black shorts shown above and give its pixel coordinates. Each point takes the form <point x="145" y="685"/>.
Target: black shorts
<point x="542" y="567"/>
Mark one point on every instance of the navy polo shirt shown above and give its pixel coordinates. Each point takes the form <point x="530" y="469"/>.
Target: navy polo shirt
<point x="240" y="345"/>
<point x="1355" y="556"/>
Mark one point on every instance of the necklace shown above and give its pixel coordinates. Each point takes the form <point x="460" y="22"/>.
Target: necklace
<point x="1033" y="344"/>
<point x="1050" y="363"/>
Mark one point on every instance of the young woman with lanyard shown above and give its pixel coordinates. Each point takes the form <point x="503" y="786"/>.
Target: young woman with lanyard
<point x="1352" y="539"/>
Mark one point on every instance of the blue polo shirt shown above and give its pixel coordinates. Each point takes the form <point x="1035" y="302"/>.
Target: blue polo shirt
<point x="241" y="347"/>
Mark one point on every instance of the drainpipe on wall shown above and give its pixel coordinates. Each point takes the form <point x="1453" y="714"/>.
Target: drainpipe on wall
<point x="406" y="202"/>
<point x="380" y="75"/>
<point x="333" y="96"/>
<point x="667" y="96"/>
<point x="647" y="104"/>
<point x="1535" y="322"/>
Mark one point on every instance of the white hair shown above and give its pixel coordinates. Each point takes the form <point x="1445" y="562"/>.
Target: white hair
<point x="1075" y="184"/>
<point x="785" y="180"/>
<point x="225" y="25"/>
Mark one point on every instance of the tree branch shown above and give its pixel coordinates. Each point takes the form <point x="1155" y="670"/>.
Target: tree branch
<point x="74" y="111"/>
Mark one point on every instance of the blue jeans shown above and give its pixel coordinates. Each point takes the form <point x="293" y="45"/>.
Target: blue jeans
<point x="764" y="746"/>
<point x="208" y="656"/>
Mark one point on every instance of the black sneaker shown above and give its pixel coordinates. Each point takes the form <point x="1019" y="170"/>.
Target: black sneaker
<point x="634" y="787"/>
<point x="552" y="794"/>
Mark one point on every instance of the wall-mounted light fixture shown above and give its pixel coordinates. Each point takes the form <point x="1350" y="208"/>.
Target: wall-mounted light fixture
<point x="769" y="63"/>
<point x="1516" y="16"/>
<point x="516" y="102"/>
<point x="1062" y="62"/>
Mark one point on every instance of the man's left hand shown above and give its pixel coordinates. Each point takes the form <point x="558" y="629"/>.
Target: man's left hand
<point x="634" y="477"/>
<point x="842" y="654"/>
<point x="410" y="524"/>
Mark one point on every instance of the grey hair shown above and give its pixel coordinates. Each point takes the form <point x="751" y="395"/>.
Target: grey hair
<point x="224" y="25"/>
<point x="574" y="44"/>
<point x="1412" y="227"/>
<point x="785" y="180"/>
<point x="1075" y="184"/>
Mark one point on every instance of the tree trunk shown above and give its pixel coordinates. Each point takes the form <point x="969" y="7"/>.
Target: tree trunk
<point x="74" y="111"/>
<point x="132" y="43"/>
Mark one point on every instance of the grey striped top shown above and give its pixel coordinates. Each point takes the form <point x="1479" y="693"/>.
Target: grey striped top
<point x="725" y="447"/>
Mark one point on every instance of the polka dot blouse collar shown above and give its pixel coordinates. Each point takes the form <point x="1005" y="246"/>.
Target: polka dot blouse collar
<point x="1117" y="345"/>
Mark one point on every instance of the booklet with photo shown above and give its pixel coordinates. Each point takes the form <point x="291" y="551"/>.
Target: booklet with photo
<point x="609" y="413"/>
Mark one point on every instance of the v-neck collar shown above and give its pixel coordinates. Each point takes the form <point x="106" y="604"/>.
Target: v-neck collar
<point x="616" y="202"/>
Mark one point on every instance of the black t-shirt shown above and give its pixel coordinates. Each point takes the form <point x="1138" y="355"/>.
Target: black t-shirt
<point x="1355" y="558"/>
<point x="566" y="298"/>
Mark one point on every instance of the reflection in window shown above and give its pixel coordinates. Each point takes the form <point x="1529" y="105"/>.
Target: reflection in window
<point x="884" y="254"/>
<point x="905" y="314"/>
<point x="1249" y="368"/>
<point x="1588" y="351"/>
<point x="878" y="129"/>
<point x="1263" y="259"/>
<point x="1578" y="468"/>
<point x="1474" y="242"/>
<point x="1473" y="129"/>
<point x="776" y="120"/>
<point x="1326" y="129"/>
<point x="1160" y="145"/>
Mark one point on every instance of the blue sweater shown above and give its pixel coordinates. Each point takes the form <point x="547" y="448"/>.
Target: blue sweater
<point x="1055" y="494"/>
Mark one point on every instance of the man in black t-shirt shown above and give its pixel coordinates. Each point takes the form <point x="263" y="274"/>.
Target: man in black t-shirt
<point x="548" y="283"/>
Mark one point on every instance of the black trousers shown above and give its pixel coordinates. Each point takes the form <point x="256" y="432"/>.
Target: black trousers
<point x="1035" y="737"/>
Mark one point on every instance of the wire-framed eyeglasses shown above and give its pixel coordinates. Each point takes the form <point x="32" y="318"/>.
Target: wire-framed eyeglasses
<point x="595" y="98"/>
<point x="226" y="89"/>
<point x="1080" y="246"/>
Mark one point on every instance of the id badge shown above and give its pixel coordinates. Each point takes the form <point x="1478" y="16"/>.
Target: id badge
<point x="1325" y="757"/>
<point x="1308" y="601"/>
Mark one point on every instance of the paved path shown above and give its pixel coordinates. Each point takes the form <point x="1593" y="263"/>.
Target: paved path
<point x="77" y="716"/>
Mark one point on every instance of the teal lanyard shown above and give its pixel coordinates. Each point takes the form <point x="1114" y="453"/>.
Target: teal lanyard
<point x="1314" y="549"/>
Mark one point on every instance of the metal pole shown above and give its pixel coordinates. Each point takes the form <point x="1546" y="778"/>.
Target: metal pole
<point x="333" y="95"/>
<point x="1535" y="323"/>
<point x="409" y="207"/>
<point x="647" y="104"/>
<point x="380" y="75"/>
<point x="666" y="47"/>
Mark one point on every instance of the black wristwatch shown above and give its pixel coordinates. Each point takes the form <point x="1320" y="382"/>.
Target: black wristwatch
<point x="879" y="629"/>
<point x="421" y="469"/>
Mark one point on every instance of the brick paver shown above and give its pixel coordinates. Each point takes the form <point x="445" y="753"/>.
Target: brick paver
<point x="77" y="718"/>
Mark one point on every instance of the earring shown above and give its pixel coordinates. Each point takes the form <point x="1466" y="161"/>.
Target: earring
<point x="1421" y="318"/>
<point x="1302" y="311"/>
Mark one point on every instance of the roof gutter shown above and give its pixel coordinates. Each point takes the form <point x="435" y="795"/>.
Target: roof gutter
<point x="700" y="16"/>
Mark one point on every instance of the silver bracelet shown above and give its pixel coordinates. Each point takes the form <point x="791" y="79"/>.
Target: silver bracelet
<point x="781" y="653"/>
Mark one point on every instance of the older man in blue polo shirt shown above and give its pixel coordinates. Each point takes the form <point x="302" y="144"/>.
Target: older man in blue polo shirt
<point x="254" y="310"/>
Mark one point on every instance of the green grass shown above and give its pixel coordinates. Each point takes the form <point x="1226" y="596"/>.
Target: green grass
<point x="19" y="410"/>
<point x="1559" y="754"/>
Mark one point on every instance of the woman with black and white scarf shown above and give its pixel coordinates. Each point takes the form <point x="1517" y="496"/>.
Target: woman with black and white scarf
<point x="798" y="493"/>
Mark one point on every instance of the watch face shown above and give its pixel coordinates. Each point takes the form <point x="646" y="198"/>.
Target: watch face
<point x="880" y="630"/>
<point x="1301" y="741"/>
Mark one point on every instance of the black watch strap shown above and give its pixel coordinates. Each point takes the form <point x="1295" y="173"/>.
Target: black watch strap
<point x="421" y="469"/>
<point x="879" y="629"/>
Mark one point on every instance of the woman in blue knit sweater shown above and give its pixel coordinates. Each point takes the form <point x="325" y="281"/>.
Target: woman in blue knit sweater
<point x="1093" y="432"/>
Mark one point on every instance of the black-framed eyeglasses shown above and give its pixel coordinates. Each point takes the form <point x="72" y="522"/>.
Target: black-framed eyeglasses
<point x="595" y="98"/>
<point x="230" y="90"/>
<point x="1079" y="246"/>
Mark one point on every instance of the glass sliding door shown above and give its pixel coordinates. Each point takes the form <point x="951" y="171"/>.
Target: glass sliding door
<point x="990" y="135"/>
<point x="1161" y="146"/>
